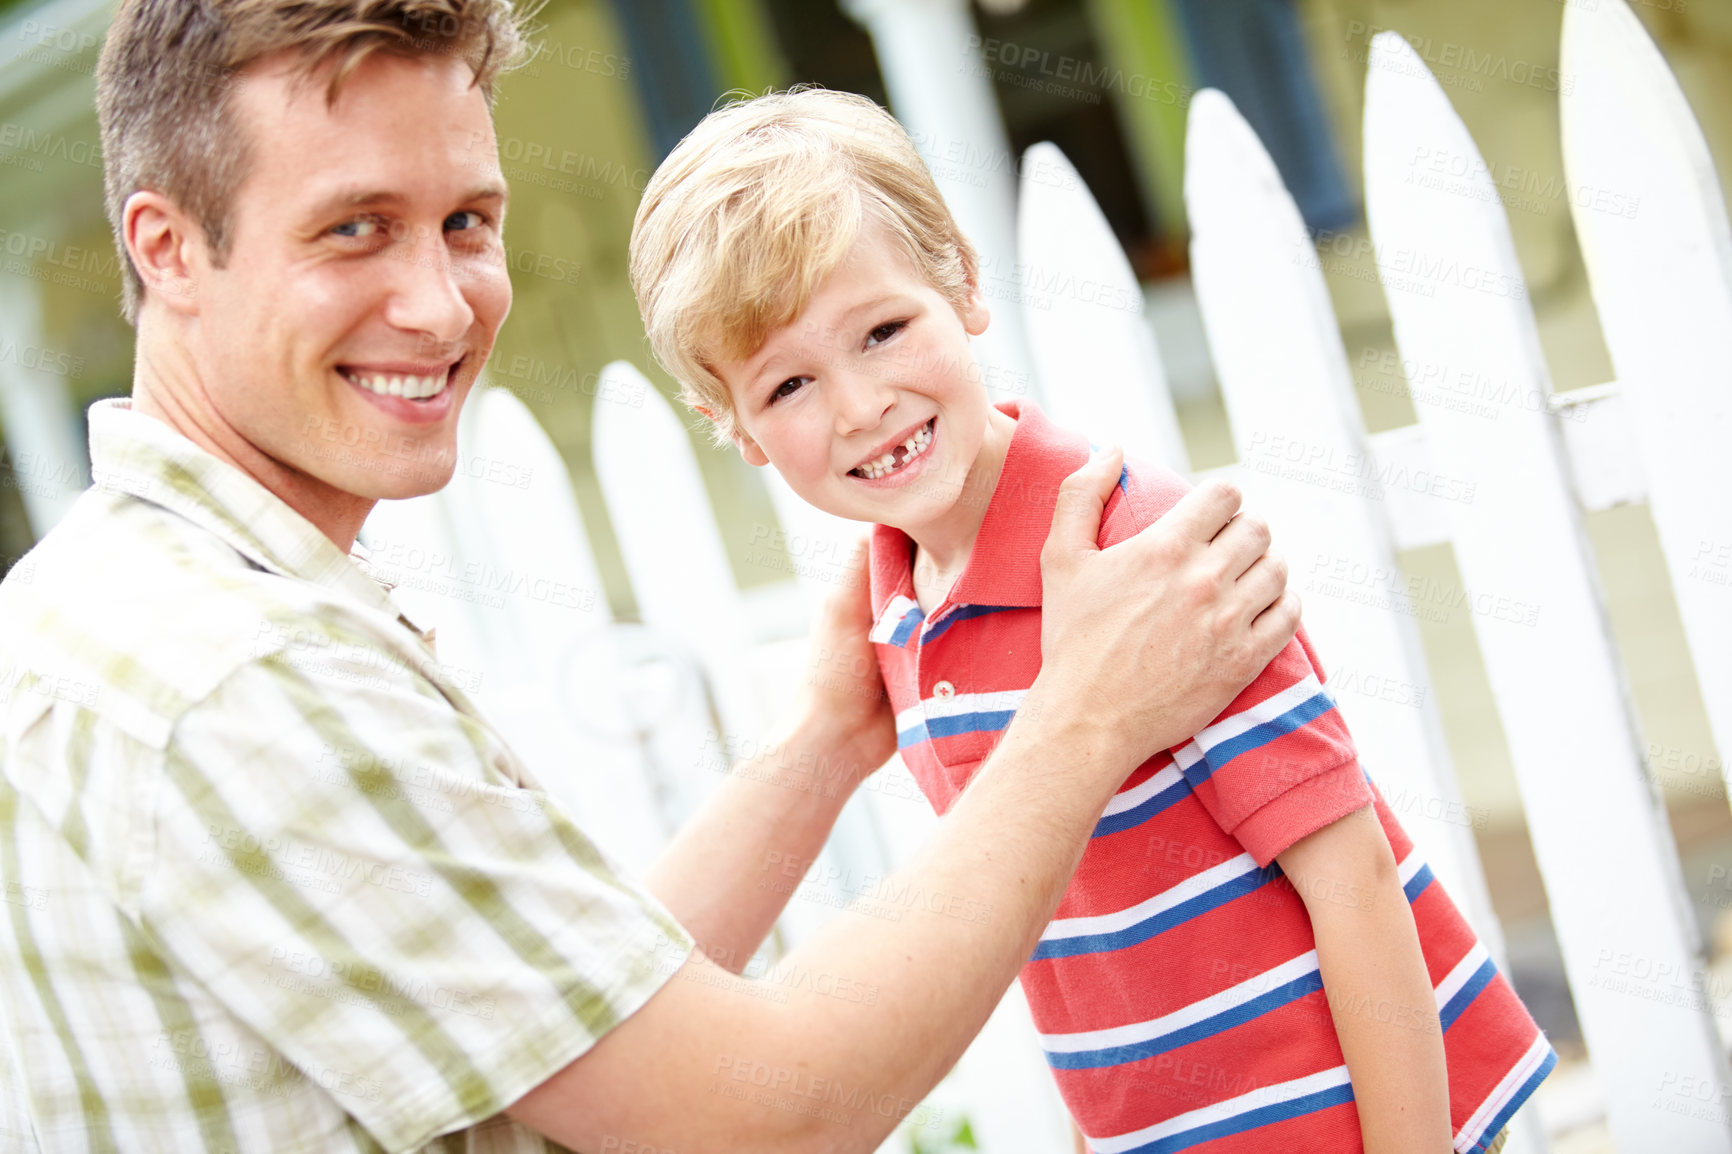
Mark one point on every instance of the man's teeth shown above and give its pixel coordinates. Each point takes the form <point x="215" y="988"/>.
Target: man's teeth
<point x="413" y="388"/>
<point x="887" y="464"/>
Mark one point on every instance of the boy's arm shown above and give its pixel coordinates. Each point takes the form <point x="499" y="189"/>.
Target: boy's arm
<point x="1374" y="976"/>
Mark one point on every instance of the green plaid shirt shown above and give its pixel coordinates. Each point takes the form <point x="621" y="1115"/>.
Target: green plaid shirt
<point x="271" y="882"/>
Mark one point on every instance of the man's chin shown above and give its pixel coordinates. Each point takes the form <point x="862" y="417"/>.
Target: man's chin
<point x="387" y="478"/>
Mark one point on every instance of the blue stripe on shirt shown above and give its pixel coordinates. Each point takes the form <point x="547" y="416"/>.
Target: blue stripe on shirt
<point x="962" y="613"/>
<point x="1195" y="1032"/>
<point x="1138" y="814"/>
<point x="905" y="628"/>
<point x="1417" y="884"/>
<point x="1257" y="736"/>
<point x="1502" y="1117"/>
<point x="990" y="721"/>
<point x="1155" y="924"/>
<point x="1469" y="991"/>
<point x="1249" y="1120"/>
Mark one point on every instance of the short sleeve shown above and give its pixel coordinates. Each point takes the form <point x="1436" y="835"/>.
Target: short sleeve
<point x="344" y="862"/>
<point x="1278" y="763"/>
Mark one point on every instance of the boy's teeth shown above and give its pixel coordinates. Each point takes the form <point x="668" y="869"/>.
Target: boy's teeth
<point x="889" y="462"/>
<point x="413" y="388"/>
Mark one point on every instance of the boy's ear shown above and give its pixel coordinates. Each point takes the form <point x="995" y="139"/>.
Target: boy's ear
<point x="748" y="447"/>
<point x="750" y="451"/>
<point x="975" y="315"/>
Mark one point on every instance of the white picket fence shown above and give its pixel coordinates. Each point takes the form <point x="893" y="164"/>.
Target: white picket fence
<point x="631" y="723"/>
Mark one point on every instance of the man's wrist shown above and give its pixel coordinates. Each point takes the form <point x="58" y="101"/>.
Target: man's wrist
<point x="1052" y="717"/>
<point x="818" y="743"/>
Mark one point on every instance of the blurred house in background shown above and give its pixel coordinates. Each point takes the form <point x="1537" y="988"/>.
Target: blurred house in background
<point x="616" y="84"/>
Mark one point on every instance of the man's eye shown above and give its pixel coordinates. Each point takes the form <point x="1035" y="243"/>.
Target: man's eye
<point x="788" y="388"/>
<point x="363" y="228"/>
<point x="884" y="332"/>
<point x="462" y="221"/>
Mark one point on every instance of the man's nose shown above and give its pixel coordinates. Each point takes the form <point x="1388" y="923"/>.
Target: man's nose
<point x="427" y="295"/>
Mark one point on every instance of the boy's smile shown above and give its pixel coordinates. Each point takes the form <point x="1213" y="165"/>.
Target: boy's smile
<point x="869" y="402"/>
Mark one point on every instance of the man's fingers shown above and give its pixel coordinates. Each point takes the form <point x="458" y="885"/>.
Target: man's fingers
<point x="1240" y="545"/>
<point x="1076" y="522"/>
<point x="1205" y="511"/>
<point x="1262" y="585"/>
<point x="850" y="602"/>
<point x="1275" y="627"/>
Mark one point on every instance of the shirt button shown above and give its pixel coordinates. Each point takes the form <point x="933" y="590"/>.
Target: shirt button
<point x="944" y="689"/>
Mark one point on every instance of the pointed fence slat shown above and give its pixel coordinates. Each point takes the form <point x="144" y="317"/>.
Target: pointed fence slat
<point x="497" y="563"/>
<point x="1459" y="304"/>
<point x="1304" y="464"/>
<point x="50" y="465"/>
<point x="1652" y="221"/>
<point x="670" y="541"/>
<point x="1094" y="350"/>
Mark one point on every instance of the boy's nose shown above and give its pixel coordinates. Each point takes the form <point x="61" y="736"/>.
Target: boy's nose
<point x="862" y="399"/>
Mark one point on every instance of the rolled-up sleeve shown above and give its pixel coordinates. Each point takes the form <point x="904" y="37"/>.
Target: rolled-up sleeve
<point x="345" y="862"/>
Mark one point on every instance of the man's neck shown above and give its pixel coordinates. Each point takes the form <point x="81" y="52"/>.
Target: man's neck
<point x="943" y="547"/>
<point x="166" y="386"/>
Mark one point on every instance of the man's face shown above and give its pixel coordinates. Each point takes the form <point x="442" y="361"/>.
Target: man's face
<point x="869" y="403"/>
<point x="366" y="279"/>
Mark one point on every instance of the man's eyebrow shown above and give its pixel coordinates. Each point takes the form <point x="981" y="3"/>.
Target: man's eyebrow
<point x="370" y="197"/>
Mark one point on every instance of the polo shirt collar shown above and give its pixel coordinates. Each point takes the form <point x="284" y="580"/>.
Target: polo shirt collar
<point x="138" y="455"/>
<point x="1004" y="566"/>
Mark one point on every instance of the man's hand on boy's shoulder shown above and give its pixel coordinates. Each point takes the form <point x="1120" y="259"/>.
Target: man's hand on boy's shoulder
<point x="1156" y="636"/>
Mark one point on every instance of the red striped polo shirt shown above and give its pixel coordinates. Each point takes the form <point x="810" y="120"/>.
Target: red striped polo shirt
<point x="1176" y="991"/>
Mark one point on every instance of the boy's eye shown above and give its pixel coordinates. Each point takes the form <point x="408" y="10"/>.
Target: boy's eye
<point x="465" y="220"/>
<point x="787" y="389"/>
<point x="884" y="332"/>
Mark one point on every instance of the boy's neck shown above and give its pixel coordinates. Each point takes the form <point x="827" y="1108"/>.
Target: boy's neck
<point x="942" y="547"/>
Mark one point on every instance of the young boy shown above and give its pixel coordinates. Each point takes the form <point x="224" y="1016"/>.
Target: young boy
<point x="1251" y="956"/>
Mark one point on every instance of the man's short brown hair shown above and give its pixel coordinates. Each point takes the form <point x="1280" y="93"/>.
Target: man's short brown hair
<point x="168" y="68"/>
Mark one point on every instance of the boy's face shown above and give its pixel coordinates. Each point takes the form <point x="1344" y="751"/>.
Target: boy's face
<point x="877" y="366"/>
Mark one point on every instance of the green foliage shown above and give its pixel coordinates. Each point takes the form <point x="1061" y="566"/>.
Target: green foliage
<point x="961" y="1137"/>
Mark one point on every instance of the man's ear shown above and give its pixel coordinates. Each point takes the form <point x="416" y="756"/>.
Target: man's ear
<point x="167" y="247"/>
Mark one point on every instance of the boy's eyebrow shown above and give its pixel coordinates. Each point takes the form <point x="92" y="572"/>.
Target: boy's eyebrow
<point x="755" y="370"/>
<point x="876" y="302"/>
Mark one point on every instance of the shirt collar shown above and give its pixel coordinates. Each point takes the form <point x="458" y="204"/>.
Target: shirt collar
<point x="139" y="455"/>
<point x="1004" y="565"/>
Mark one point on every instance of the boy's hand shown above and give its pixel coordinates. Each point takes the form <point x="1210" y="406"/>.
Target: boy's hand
<point x="1146" y="643"/>
<point x="843" y="691"/>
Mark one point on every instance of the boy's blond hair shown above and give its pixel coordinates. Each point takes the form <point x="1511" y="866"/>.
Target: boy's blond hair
<point x="756" y="207"/>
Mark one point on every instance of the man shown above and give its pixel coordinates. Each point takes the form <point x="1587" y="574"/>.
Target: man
<point x="229" y="925"/>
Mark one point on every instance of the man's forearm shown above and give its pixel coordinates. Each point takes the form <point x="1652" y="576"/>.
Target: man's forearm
<point x="937" y="954"/>
<point x="775" y="807"/>
<point x="955" y="927"/>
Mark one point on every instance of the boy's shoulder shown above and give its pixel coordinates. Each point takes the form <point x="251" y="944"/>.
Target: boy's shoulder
<point x="1044" y="453"/>
<point x="1144" y="495"/>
